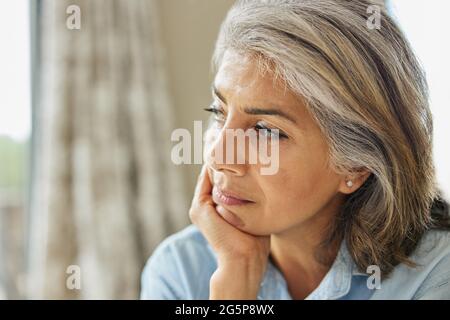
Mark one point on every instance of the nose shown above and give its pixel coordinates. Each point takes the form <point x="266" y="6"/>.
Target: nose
<point x="225" y="153"/>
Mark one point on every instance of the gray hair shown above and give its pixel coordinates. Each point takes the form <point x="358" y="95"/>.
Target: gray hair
<point x="368" y="94"/>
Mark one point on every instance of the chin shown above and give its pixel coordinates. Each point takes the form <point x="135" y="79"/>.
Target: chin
<point x="258" y="231"/>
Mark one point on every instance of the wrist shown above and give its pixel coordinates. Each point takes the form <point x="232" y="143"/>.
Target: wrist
<point x="237" y="279"/>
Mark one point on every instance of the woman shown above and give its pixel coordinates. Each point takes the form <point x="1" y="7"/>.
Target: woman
<point x="352" y="211"/>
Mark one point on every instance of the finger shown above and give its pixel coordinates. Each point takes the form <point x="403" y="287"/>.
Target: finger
<point x="216" y="229"/>
<point x="229" y="216"/>
<point x="204" y="187"/>
<point x="226" y="239"/>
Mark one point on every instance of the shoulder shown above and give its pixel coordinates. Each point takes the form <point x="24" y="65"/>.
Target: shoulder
<point x="187" y="248"/>
<point x="433" y="258"/>
<point x="180" y="267"/>
<point x="429" y="278"/>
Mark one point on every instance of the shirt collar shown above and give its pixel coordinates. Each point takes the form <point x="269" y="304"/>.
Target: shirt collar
<point x="334" y="285"/>
<point x="337" y="281"/>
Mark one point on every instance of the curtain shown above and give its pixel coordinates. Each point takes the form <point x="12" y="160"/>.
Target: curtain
<point x="104" y="190"/>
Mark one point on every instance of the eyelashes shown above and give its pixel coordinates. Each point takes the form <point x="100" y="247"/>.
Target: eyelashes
<point x="216" y="111"/>
<point x="274" y="133"/>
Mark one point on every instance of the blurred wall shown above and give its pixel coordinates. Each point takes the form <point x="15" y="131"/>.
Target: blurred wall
<point x="189" y="31"/>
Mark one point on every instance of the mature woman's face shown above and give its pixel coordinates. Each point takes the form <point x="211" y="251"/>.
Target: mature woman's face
<point x="304" y="188"/>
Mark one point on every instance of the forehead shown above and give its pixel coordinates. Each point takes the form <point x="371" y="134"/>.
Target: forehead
<point x="239" y="79"/>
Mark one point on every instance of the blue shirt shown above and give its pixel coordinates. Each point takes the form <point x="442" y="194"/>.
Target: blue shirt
<point x="181" y="266"/>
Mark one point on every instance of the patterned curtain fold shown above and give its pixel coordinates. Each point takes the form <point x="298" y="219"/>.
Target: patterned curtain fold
<point x="105" y="191"/>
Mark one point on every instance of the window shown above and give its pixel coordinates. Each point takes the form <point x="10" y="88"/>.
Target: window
<point x="425" y="25"/>
<point x="15" y="128"/>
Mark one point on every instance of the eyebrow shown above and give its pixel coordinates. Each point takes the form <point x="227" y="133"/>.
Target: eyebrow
<point x="256" y="111"/>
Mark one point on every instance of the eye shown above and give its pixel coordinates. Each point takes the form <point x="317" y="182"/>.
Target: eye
<point x="218" y="112"/>
<point x="272" y="133"/>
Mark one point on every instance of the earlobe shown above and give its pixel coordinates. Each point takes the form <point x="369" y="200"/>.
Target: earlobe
<point x="353" y="182"/>
<point x="347" y="185"/>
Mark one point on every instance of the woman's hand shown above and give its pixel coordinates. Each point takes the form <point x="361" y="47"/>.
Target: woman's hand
<point x="242" y="257"/>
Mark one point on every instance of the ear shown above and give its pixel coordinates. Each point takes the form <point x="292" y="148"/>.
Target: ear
<point x="353" y="181"/>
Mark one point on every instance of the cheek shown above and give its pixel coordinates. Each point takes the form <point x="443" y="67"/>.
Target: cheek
<point x="302" y="186"/>
<point x="288" y="190"/>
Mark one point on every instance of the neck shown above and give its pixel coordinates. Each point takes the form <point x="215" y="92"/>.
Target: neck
<point x="299" y="252"/>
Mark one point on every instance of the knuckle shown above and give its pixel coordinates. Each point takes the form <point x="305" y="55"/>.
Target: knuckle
<point x="194" y="213"/>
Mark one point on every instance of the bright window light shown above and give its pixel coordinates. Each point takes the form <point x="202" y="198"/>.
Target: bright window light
<point x="425" y="23"/>
<point x="15" y="104"/>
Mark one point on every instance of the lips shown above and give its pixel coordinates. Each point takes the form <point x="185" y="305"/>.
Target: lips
<point x="226" y="197"/>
